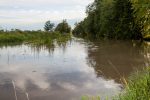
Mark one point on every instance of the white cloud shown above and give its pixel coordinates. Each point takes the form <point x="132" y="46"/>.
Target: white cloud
<point x="22" y="12"/>
<point x="50" y="2"/>
<point x="37" y="16"/>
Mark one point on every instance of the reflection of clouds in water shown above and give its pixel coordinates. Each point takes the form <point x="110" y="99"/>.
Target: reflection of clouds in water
<point x="99" y="84"/>
<point x="64" y="73"/>
<point x="21" y="74"/>
<point x="37" y="79"/>
<point x="68" y="86"/>
<point x="81" y="80"/>
<point x="84" y="83"/>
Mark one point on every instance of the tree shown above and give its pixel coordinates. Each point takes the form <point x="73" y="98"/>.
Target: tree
<point x="1" y="29"/>
<point x="142" y="15"/>
<point x="97" y="23"/>
<point x="124" y="21"/>
<point x="49" y="26"/>
<point x="111" y="19"/>
<point x="63" y="27"/>
<point x="79" y="29"/>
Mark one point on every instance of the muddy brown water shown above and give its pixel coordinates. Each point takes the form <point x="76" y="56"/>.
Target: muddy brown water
<point x="69" y="71"/>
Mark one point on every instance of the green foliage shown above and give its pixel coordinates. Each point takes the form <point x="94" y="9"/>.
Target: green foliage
<point x="79" y="29"/>
<point x="142" y="15"/>
<point x="63" y="27"/>
<point x="90" y="98"/>
<point x="49" y="26"/>
<point x="112" y="19"/>
<point x="124" y="24"/>
<point x="138" y="87"/>
<point x="32" y="37"/>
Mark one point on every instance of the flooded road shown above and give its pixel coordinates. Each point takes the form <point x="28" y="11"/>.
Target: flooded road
<point x="69" y="71"/>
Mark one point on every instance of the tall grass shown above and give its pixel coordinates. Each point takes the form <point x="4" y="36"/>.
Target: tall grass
<point x="34" y="37"/>
<point x="137" y="87"/>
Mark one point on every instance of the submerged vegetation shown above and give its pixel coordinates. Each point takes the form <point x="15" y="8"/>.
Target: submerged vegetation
<point x="34" y="37"/>
<point x="115" y="19"/>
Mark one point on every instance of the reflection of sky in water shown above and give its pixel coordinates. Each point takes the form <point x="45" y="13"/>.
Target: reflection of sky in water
<point x="61" y="75"/>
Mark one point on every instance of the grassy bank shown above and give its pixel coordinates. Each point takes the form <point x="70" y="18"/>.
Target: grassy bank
<point x="34" y="37"/>
<point x="137" y="87"/>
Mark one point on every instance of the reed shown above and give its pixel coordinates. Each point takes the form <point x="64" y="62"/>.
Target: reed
<point x="137" y="87"/>
<point x="32" y="37"/>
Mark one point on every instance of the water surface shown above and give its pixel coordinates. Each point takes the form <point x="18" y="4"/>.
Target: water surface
<point x="69" y="71"/>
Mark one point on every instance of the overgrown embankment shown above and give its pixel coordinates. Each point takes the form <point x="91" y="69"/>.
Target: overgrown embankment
<point x="137" y="87"/>
<point x="34" y="37"/>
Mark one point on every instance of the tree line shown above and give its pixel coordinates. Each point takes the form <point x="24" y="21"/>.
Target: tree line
<point x="62" y="27"/>
<point x="115" y="19"/>
<point x="60" y="33"/>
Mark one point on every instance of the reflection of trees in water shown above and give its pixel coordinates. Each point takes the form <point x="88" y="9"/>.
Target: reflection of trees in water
<point x="39" y="47"/>
<point x="5" y="45"/>
<point x="116" y="59"/>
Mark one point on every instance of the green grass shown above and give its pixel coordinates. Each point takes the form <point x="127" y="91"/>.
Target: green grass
<point x="137" y="87"/>
<point x="32" y="37"/>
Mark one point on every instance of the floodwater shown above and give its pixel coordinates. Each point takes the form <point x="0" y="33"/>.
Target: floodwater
<point x="69" y="71"/>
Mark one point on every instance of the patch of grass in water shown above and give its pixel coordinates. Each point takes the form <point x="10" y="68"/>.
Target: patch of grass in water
<point x="32" y="37"/>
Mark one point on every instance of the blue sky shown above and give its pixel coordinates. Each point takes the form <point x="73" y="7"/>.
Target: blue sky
<point x="32" y="14"/>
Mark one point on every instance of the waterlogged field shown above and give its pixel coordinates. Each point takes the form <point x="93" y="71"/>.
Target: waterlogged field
<point x="74" y="70"/>
<point x="32" y="37"/>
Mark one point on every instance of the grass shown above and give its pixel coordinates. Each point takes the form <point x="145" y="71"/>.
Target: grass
<point x="90" y="98"/>
<point x="32" y="37"/>
<point x="137" y="87"/>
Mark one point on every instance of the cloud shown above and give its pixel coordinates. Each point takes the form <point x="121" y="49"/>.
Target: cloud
<point x="23" y="12"/>
<point x="49" y="2"/>
<point x="36" y="16"/>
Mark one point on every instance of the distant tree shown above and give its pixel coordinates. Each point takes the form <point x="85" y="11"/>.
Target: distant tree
<point x="63" y="27"/>
<point x="1" y="29"/>
<point x="49" y="26"/>
<point x="79" y="29"/>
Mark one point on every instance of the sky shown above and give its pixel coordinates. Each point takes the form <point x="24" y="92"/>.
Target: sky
<point x="32" y="14"/>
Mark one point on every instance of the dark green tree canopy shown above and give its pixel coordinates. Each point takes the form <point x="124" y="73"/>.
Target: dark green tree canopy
<point x="49" y="26"/>
<point x="109" y="19"/>
<point x="63" y="27"/>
